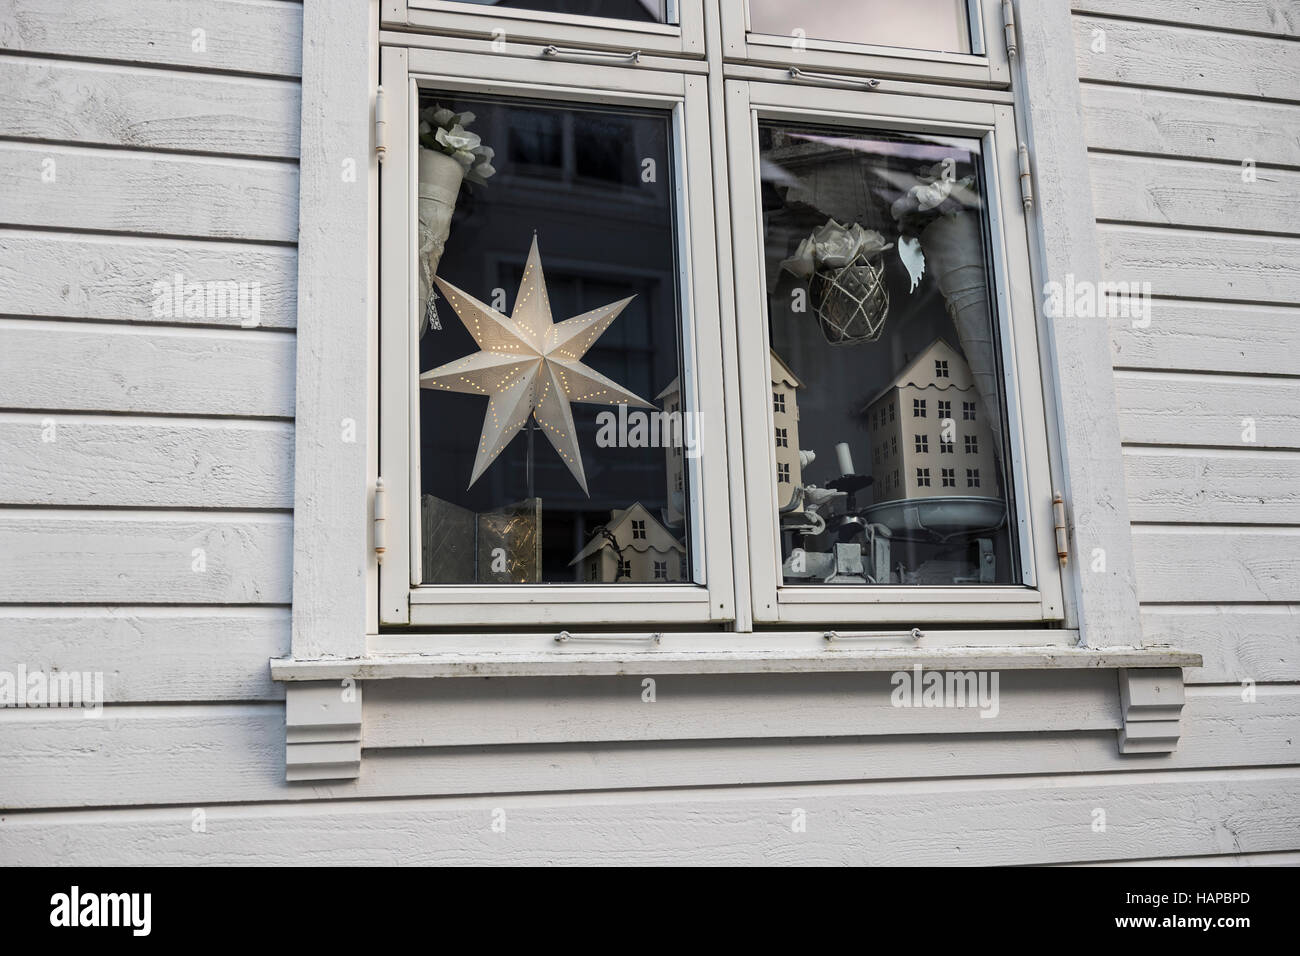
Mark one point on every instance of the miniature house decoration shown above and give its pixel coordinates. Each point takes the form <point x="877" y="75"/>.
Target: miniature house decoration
<point x="930" y="437"/>
<point x="670" y="400"/>
<point x="785" y="422"/>
<point x="636" y="548"/>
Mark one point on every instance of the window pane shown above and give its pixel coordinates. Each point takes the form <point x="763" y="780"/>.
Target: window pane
<point x="885" y="361"/>
<point x="555" y="444"/>
<point x="646" y="11"/>
<point x="916" y="24"/>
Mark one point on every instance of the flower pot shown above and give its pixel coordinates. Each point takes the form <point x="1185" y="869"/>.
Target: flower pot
<point x="954" y="252"/>
<point x="439" y="185"/>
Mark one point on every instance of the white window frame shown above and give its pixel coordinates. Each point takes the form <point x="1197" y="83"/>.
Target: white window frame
<point x="986" y="65"/>
<point x="403" y="599"/>
<point x="484" y="24"/>
<point x="1040" y="598"/>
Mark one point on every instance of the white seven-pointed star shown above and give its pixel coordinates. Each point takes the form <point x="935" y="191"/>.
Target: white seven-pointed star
<point x="529" y="365"/>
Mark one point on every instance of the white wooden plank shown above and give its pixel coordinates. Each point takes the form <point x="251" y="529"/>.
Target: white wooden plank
<point x="97" y="557"/>
<point x="337" y="376"/>
<point x="1153" y="191"/>
<point x="249" y="36"/>
<point x="1006" y="822"/>
<point x="154" y="653"/>
<point x="1226" y="565"/>
<point x="107" y="105"/>
<point x="1088" y="460"/>
<point x="1175" y="57"/>
<point x="1278" y="17"/>
<point x="65" y="366"/>
<point x="1216" y="860"/>
<point x="1238" y="642"/>
<point x="1183" y="264"/>
<point x="145" y="462"/>
<point x="1167" y="408"/>
<point x="114" y="278"/>
<point x="1176" y="485"/>
<point x="203" y="754"/>
<point x="400" y="713"/>
<point x="1210" y="336"/>
<point x="119" y="191"/>
<point x="1129" y="120"/>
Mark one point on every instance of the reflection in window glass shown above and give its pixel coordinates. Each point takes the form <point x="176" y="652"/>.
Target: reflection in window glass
<point x="646" y="11"/>
<point x="939" y="25"/>
<point x="881" y="326"/>
<point x="555" y="443"/>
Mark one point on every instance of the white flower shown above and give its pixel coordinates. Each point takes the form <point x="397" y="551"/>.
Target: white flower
<point x="425" y="128"/>
<point x="464" y="119"/>
<point x="458" y="138"/>
<point x="443" y="116"/>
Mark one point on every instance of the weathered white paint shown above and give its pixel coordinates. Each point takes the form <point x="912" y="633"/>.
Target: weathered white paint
<point x="207" y="754"/>
<point x="337" y="329"/>
<point x="174" y="433"/>
<point x="113" y="278"/>
<point x="111" y="105"/>
<point x="145" y="462"/>
<point x="940" y="822"/>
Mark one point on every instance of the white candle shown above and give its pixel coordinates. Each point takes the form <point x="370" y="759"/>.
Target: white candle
<point x="845" y="459"/>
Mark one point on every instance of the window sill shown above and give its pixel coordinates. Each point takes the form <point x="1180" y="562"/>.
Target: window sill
<point x="570" y="661"/>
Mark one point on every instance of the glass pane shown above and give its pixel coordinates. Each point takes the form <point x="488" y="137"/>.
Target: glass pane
<point x="888" y="416"/>
<point x="646" y="11"/>
<point x="917" y="24"/>
<point x="555" y="446"/>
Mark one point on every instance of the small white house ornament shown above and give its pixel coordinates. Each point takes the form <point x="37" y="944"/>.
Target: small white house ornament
<point x="529" y="365"/>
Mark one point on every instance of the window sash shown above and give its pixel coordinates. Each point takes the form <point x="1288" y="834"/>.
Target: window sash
<point x="986" y="65"/>
<point x="1040" y="597"/>
<point x="685" y="38"/>
<point x="402" y="598"/>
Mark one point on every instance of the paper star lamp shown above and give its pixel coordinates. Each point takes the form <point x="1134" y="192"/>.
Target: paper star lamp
<point x="529" y="365"/>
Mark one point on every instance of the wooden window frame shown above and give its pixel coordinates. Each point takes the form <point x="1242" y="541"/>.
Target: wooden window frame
<point x="1039" y="598"/>
<point x="987" y="64"/>
<point x="404" y="600"/>
<point x="514" y="26"/>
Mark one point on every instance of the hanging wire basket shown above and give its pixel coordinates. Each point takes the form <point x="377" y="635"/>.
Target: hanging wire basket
<point x="851" y="302"/>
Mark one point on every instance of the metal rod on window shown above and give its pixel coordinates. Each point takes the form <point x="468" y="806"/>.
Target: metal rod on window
<point x="633" y="57"/>
<point x="564" y="637"/>
<point x="831" y="636"/>
<point x="869" y="81"/>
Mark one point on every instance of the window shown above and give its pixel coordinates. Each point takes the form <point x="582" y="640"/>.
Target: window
<point x="564" y="367"/>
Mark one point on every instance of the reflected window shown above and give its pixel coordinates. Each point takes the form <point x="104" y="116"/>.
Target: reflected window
<point x="644" y="11"/>
<point x="878" y="283"/>
<point x="939" y="25"/>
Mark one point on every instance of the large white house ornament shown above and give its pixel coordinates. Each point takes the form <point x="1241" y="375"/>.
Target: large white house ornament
<point x="529" y="365"/>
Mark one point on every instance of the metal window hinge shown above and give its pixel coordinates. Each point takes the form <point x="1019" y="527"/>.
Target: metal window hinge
<point x="1026" y="178"/>
<point x="381" y="125"/>
<point x="380" y="516"/>
<point x="1009" y="22"/>
<point x="1058" y="519"/>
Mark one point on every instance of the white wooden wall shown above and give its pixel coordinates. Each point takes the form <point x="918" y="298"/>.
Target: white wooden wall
<point x="176" y="434"/>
